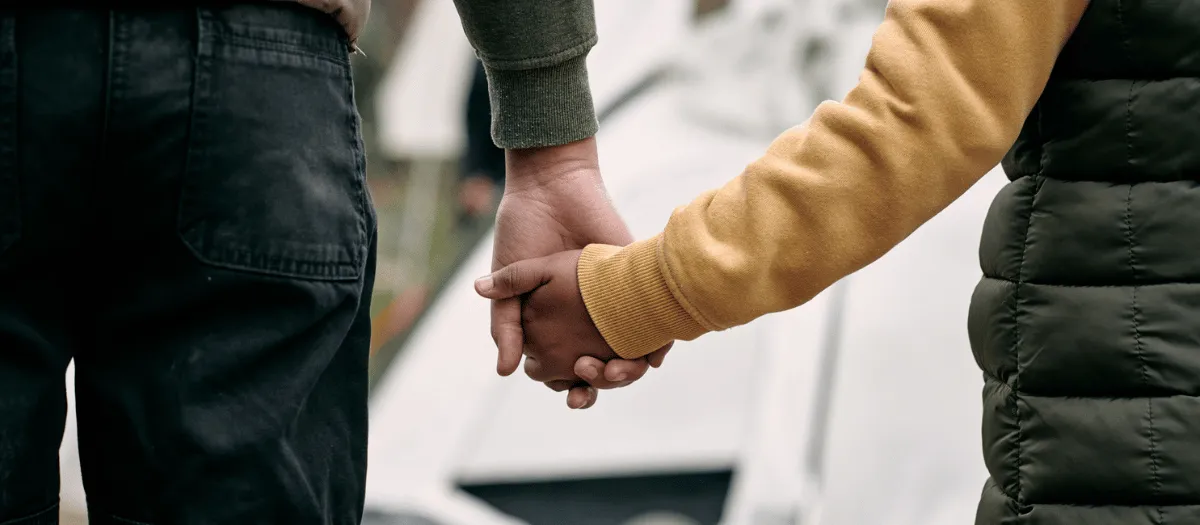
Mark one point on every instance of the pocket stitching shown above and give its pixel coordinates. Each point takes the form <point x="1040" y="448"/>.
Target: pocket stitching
<point x="365" y="211"/>
<point x="241" y="257"/>
<point x="250" y="42"/>
<point x="276" y="39"/>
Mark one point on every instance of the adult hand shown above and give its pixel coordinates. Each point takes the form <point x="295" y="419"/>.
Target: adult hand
<point x="554" y="200"/>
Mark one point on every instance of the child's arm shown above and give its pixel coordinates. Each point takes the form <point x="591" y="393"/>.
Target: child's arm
<point x="946" y="89"/>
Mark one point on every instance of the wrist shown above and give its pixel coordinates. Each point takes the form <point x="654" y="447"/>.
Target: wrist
<point x="530" y="168"/>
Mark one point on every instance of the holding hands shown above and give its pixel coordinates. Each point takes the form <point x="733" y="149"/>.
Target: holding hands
<point x="553" y="206"/>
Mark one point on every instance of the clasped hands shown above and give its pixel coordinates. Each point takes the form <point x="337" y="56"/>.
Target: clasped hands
<point x="554" y="205"/>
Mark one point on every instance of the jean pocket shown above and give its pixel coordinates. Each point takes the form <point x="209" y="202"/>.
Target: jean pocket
<point x="275" y="182"/>
<point x="10" y="187"/>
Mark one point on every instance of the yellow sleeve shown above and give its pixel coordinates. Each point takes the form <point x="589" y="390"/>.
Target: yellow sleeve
<point x="945" y="91"/>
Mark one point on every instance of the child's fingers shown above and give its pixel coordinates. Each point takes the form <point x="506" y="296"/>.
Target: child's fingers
<point x="507" y="333"/>
<point x="592" y="370"/>
<point x="589" y="369"/>
<point x="613" y="374"/>
<point x="516" y="279"/>
<point x="581" y="397"/>
<point x="656" y="358"/>
<point x="621" y="372"/>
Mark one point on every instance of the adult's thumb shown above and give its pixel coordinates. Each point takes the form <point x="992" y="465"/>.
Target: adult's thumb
<point x="514" y="280"/>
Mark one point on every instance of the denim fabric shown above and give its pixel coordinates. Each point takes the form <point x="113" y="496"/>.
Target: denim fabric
<point x="183" y="212"/>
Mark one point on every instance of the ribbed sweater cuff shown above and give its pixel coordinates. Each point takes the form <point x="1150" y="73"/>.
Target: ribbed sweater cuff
<point x="547" y="106"/>
<point x="626" y="294"/>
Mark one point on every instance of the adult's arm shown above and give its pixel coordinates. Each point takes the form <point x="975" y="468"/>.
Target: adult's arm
<point x="535" y="55"/>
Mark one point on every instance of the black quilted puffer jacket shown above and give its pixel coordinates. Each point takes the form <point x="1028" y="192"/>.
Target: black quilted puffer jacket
<point x="1087" y="322"/>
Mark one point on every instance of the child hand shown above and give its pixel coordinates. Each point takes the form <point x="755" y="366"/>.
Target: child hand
<point x="557" y="327"/>
<point x="559" y="336"/>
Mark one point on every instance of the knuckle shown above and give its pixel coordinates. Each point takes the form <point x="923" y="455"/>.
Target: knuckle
<point x="510" y="278"/>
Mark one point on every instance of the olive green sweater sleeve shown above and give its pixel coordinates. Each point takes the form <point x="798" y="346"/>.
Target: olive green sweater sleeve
<point x="535" y="55"/>
<point x="945" y="91"/>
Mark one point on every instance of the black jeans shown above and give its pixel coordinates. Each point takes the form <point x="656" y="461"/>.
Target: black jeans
<point x="183" y="211"/>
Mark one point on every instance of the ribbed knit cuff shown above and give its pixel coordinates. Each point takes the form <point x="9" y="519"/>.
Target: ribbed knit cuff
<point x="547" y="106"/>
<point x="628" y="298"/>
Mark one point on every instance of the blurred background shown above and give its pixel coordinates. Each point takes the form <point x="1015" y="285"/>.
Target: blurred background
<point x="805" y="417"/>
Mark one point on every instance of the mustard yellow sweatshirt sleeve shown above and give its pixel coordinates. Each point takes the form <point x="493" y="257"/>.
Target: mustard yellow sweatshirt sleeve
<point x="946" y="88"/>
